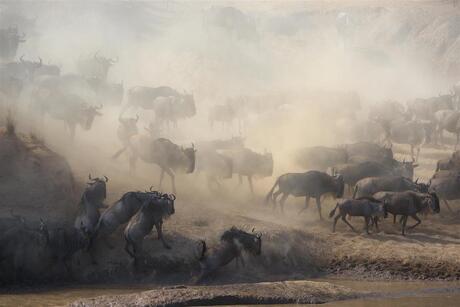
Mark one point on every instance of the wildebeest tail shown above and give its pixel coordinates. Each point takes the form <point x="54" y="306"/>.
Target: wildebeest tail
<point x="331" y="214"/>
<point x="119" y="152"/>
<point x="270" y="193"/>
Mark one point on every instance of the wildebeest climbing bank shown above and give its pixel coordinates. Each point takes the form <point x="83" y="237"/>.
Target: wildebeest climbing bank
<point x="193" y="148"/>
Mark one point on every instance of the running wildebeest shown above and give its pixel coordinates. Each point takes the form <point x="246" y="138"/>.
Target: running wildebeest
<point x="121" y="212"/>
<point x="152" y="213"/>
<point x="92" y="199"/>
<point x="70" y="108"/>
<point x="369" y="186"/>
<point x="310" y="184"/>
<point x="250" y="164"/>
<point x="162" y="152"/>
<point x="95" y="66"/>
<point x="168" y="104"/>
<point x="320" y="157"/>
<point x="366" y="151"/>
<point x="406" y="132"/>
<point x="126" y="129"/>
<point x="222" y="113"/>
<point x="447" y="187"/>
<point x="232" y="244"/>
<point x="215" y="165"/>
<point x="409" y="203"/>
<point x="367" y="207"/>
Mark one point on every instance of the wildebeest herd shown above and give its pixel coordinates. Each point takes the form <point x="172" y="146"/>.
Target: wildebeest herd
<point x="376" y="182"/>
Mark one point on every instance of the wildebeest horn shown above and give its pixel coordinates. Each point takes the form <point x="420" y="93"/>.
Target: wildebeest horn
<point x="106" y="179"/>
<point x="151" y="188"/>
<point x="416" y="181"/>
<point x="172" y="196"/>
<point x="253" y="228"/>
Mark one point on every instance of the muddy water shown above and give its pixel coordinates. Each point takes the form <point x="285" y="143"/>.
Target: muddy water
<point x="395" y="293"/>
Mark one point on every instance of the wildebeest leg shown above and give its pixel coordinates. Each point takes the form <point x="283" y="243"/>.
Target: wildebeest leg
<point x="394" y="218"/>
<point x="335" y="222"/>
<point x="250" y="184"/>
<point x="274" y="197"/>
<point x="412" y="152"/>
<point x="376" y="222"/>
<point x="366" y="224"/>
<point x="415" y="217"/>
<point x="173" y="181"/>
<point x="404" y="225"/>
<point x="282" y="200"/>
<point x="130" y="253"/>
<point x="346" y="222"/>
<point x="159" y="227"/>
<point x="307" y="203"/>
<point x="447" y="205"/>
<point x="72" y="131"/>
<point x="318" y="204"/>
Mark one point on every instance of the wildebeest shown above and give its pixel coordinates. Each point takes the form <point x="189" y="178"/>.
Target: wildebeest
<point x="451" y="124"/>
<point x="369" y="186"/>
<point x="367" y="207"/>
<point x="95" y="66"/>
<point x="250" y="164"/>
<point x="233" y="243"/>
<point x="409" y="203"/>
<point x="152" y="213"/>
<point x="446" y="187"/>
<point x="222" y="113"/>
<point x="353" y="172"/>
<point x="121" y="212"/>
<point x="215" y="165"/>
<point x="92" y="199"/>
<point x="406" y="132"/>
<point x="426" y="108"/>
<point x="320" y="158"/>
<point x="23" y="70"/>
<point x="168" y="104"/>
<point x="310" y="184"/>
<point x="126" y="129"/>
<point x="366" y="151"/>
<point x="70" y="108"/>
<point x="162" y="152"/>
<point x="63" y="243"/>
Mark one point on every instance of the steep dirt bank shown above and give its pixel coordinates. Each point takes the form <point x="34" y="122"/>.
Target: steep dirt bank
<point x="290" y="292"/>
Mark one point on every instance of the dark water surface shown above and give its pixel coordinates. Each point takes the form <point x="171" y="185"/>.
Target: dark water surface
<point x="395" y="293"/>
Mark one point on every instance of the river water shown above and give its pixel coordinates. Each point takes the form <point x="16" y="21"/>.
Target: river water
<point x="395" y="293"/>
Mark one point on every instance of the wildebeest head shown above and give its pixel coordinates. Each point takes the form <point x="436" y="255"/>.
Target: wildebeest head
<point x="88" y="114"/>
<point x="104" y="63"/>
<point x="433" y="202"/>
<point x="96" y="189"/>
<point x="190" y="158"/>
<point x="422" y="187"/>
<point x="251" y="242"/>
<point x="340" y="185"/>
